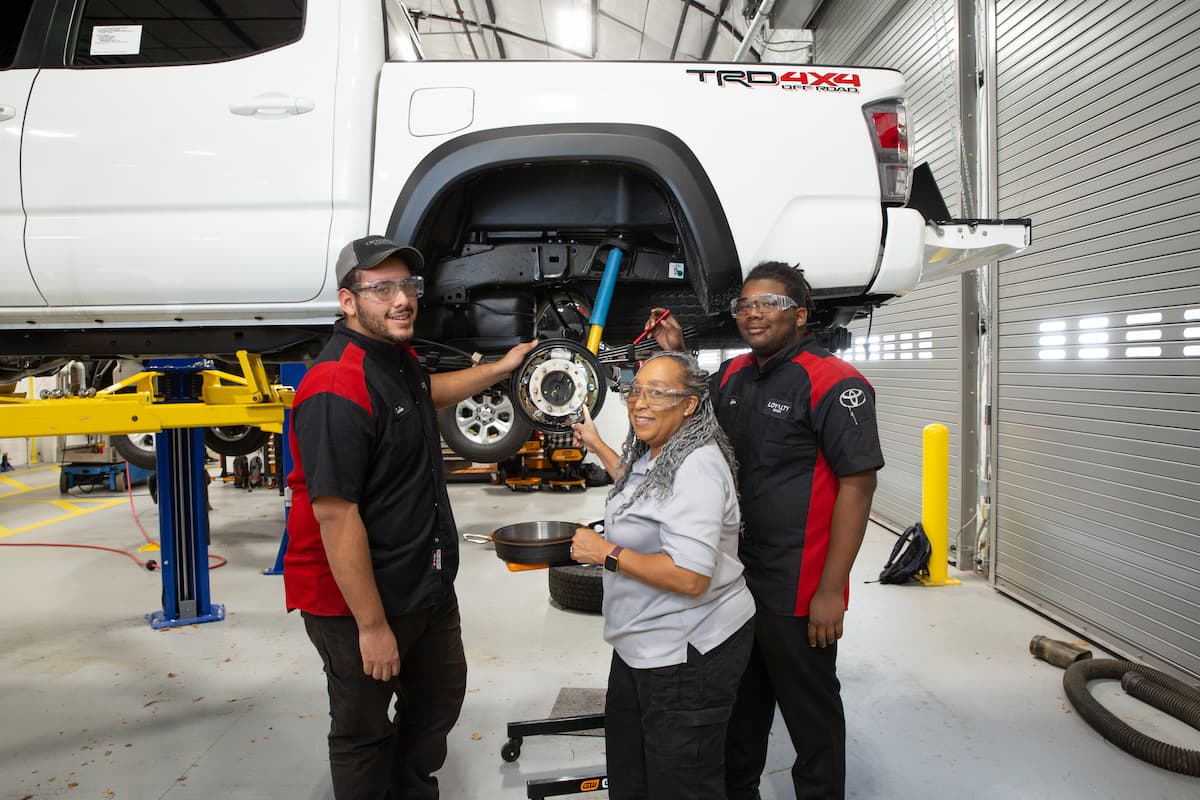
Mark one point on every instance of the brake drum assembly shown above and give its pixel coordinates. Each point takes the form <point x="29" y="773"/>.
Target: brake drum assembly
<point x="558" y="380"/>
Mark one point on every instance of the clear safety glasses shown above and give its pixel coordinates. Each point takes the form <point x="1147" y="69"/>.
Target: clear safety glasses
<point x="761" y="304"/>
<point x="386" y="291"/>
<point x="652" y="396"/>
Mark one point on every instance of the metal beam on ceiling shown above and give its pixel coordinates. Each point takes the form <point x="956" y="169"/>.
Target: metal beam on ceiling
<point x="712" y="32"/>
<point x="491" y="9"/>
<point x="466" y="29"/>
<point x="678" y="29"/>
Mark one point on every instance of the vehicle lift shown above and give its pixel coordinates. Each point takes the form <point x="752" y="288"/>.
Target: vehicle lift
<point x="176" y="398"/>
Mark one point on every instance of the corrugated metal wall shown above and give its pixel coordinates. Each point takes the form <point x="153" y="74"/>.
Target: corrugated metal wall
<point x="913" y="354"/>
<point x="1097" y="516"/>
<point x="912" y="357"/>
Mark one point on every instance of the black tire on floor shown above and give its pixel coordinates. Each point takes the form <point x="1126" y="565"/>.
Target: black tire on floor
<point x="579" y="587"/>
<point x="64" y="483"/>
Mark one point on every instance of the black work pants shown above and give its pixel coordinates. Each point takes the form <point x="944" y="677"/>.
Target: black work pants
<point x="665" y="727"/>
<point x="371" y="756"/>
<point x="785" y="669"/>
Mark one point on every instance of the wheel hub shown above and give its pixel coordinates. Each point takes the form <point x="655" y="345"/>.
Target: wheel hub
<point x="485" y="414"/>
<point x="558" y="380"/>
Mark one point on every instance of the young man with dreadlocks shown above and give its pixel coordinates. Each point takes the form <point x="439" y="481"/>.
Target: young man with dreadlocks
<point x="802" y="424"/>
<point x="676" y="608"/>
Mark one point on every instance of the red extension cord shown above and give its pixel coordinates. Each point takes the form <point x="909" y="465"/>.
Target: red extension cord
<point x="149" y="564"/>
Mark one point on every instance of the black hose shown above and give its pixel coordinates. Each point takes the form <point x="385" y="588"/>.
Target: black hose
<point x="1148" y="749"/>
<point x="1167" y="699"/>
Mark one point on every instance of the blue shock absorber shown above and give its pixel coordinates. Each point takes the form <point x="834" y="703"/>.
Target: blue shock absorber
<point x="603" y="298"/>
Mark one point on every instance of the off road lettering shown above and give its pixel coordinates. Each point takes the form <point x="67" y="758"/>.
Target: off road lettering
<point x="834" y="81"/>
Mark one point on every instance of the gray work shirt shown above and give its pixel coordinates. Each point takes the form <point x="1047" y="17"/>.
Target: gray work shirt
<point x="697" y="526"/>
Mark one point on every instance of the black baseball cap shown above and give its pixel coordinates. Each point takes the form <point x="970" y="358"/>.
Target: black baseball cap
<point x="371" y="251"/>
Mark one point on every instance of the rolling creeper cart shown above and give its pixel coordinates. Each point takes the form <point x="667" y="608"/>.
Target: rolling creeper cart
<point x="554" y="787"/>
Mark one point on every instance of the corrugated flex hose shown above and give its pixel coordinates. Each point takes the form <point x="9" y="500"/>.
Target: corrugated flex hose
<point x="1165" y="693"/>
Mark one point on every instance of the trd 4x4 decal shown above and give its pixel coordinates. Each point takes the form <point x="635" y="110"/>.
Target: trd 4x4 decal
<point x="790" y="81"/>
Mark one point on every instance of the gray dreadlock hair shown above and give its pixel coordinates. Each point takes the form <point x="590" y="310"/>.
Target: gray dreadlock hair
<point x="698" y="430"/>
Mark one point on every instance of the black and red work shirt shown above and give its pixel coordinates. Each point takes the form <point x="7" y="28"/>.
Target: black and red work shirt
<point x="796" y="423"/>
<point x="363" y="429"/>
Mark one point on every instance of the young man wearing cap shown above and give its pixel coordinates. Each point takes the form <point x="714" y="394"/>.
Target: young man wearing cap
<point x="373" y="548"/>
<point x="803" y="428"/>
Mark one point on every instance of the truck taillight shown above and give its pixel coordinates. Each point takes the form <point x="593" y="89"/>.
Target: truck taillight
<point x="888" y="123"/>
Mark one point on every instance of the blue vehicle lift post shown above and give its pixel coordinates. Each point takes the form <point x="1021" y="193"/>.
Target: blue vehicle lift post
<point x="182" y="506"/>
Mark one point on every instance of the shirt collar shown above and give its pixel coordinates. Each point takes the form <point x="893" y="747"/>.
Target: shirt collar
<point x="373" y="346"/>
<point x="786" y="354"/>
<point x="643" y="464"/>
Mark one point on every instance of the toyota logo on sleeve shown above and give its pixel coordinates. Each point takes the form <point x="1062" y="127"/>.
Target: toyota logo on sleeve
<point x="852" y="399"/>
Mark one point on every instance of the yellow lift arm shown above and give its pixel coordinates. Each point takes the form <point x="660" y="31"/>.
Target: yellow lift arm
<point x="226" y="399"/>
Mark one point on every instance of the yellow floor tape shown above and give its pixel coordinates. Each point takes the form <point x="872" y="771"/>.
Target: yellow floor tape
<point x="74" y="507"/>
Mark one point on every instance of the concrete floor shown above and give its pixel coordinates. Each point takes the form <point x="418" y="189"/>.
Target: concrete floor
<point x="942" y="696"/>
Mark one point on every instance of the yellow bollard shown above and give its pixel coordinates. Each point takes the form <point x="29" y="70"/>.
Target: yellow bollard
<point x="935" y="501"/>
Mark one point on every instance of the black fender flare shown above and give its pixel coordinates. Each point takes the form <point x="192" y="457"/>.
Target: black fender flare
<point x="656" y="151"/>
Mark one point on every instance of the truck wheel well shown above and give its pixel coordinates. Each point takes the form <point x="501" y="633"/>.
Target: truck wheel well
<point x="625" y="178"/>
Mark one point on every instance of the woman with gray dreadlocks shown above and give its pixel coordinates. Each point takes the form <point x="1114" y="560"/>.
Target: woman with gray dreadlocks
<point x="676" y="607"/>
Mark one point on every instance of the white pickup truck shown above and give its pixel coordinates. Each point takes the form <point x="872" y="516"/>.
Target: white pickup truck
<point x="180" y="182"/>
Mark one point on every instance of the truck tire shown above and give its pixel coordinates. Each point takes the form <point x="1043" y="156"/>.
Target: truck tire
<point x="579" y="587"/>
<point x="137" y="449"/>
<point x="235" y="440"/>
<point x="484" y="428"/>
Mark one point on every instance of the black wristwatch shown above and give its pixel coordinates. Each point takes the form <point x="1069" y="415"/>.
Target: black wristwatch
<point x="610" y="560"/>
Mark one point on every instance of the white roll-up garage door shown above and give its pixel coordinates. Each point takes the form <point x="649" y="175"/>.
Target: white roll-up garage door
<point x="912" y="354"/>
<point x="1097" y="516"/>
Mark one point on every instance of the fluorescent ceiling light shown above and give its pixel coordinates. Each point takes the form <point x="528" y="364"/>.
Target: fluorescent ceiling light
<point x="575" y="29"/>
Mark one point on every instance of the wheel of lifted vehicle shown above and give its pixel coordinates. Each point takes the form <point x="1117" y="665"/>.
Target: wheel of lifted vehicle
<point x="485" y="427"/>
<point x="579" y="587"/>
<point x="235" y="440"/>
<point x="137" y="449"/>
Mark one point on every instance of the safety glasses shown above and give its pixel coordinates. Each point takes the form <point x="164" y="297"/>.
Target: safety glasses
<point x="386" y="291"/>
<point x="652" y="396"/>
<point x="760" y="304"/>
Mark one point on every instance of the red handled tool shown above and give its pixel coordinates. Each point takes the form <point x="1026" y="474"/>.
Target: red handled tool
<point x="649" y="330"/>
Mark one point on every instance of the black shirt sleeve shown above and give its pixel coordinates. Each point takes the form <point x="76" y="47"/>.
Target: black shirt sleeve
<point x="846" y="427"/>
<point x="336" y="439"/>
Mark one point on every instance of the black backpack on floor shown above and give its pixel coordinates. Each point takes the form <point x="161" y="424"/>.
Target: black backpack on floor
<point x="909" y="556"/>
